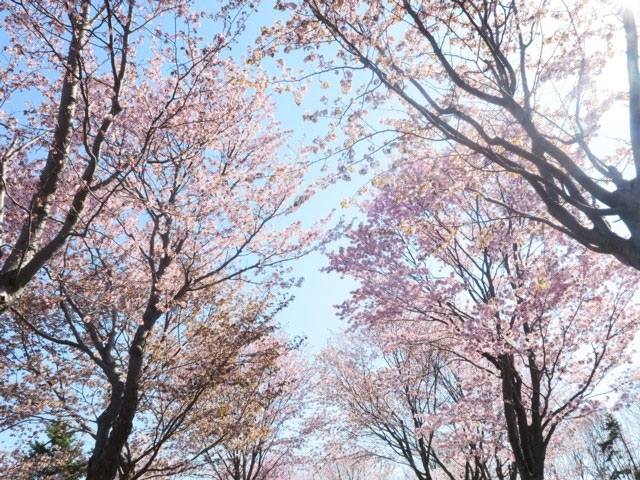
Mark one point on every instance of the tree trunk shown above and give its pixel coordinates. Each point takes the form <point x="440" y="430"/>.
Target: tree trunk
<point x="28" y="241"/>
<point x="104" y="462"/>
<point x="524" y="433"/>
<point x="106" y="457"/>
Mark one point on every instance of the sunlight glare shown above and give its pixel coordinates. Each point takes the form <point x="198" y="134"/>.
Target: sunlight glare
<point x="622" y="4"/>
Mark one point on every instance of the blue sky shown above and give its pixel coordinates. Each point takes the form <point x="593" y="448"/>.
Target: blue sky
<point x="312" y="313"/>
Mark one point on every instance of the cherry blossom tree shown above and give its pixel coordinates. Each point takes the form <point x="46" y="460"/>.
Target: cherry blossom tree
<point x="191" y="364"/>
<point x="354" y="469"/>
<point x="542" y="320"/>
<point x="152" y="309"/>
<point x="270" y="433"/>
<point x="380" y="396"/>
<point x="73" y="74"/>
<point x="518" y="87"/>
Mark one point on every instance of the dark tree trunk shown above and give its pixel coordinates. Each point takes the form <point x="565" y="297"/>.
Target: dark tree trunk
<point x="106" y="457"/>
<point x="524" y="429"/>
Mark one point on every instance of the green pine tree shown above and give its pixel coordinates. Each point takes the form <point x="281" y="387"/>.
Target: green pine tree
<point x="617" y="452"/>
<point x="61" y="443"/>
